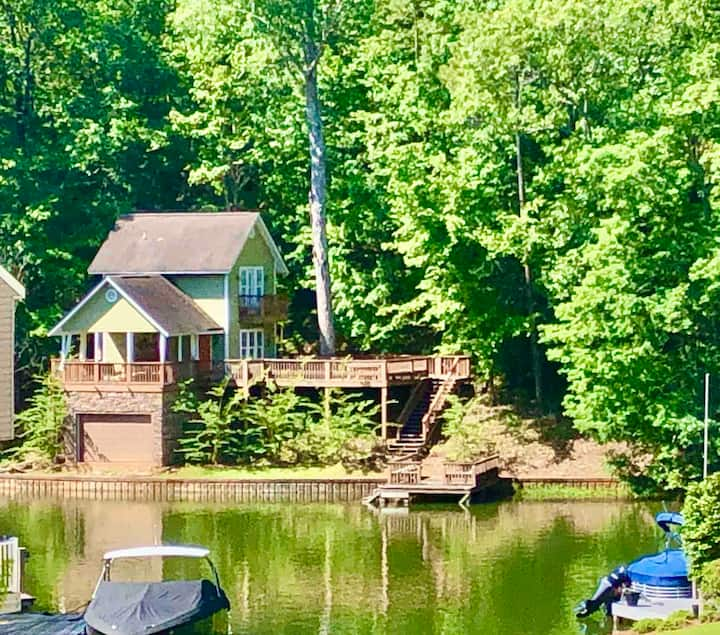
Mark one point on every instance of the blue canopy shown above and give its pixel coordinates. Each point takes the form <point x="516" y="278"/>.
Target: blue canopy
<point x="665" y="519"/>
<point x="665" y="569"/>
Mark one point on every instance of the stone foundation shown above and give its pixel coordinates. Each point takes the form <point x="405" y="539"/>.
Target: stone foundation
<point x="166" y="425"/>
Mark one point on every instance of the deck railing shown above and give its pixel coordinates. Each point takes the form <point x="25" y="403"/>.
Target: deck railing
<point x="269" y="307"/>
<point x="469" y="473"/>
<point x="144" y="373"/>
<point x="405" y="472"/>
<point x="346" y="372"/>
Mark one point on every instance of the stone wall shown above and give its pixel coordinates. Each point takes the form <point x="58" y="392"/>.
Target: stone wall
<point x="166" y="425"/>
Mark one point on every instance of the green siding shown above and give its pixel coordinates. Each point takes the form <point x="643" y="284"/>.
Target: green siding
<point x="99" y="315"/>
<point x="207" y="291"/>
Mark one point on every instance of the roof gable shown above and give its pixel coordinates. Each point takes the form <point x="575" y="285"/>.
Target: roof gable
<point x="11" y="282"/>
<point x="179" y="243"/>
<point x="157" y="303"/>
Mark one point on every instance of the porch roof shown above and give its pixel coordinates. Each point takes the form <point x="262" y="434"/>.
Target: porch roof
<point x="156" y="302"/>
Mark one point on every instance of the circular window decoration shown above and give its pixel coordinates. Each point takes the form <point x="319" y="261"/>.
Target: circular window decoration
<point x="111" y="295"/>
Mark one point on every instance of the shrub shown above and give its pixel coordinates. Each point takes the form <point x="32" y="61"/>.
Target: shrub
<point x="209" y="436"/>
<point x="710" y="579"/>
<point x="677" y="620"/>
<point x="41" y="426"/>
<point x="701" y="531"/>
<point x="648" y="625"/>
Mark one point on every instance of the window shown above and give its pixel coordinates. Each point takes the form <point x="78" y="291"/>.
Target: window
<point x="252" y="286"/>
<point x="252" y="344"/>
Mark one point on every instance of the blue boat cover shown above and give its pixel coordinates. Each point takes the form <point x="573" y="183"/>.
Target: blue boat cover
<point x="665" y="519"/>
<point x="665" y="569"/>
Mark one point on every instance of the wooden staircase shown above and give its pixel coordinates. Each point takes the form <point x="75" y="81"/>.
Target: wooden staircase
<point x="420" y="419"/>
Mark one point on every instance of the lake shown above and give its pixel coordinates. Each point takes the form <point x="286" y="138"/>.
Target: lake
<point x="511" y="568"/>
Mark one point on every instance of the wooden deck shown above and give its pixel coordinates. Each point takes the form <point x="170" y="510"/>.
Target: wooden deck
<point x="295" y="372"/>
<point x="348" y="372"/>
<point x="408" y="481"/>
<point x="41" y="624"/>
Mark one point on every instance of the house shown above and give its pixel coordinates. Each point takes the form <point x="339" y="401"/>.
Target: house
<point x="10" y="292"/>
<point x="179" y="294"/>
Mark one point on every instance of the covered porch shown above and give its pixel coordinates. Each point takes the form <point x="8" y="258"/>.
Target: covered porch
<point x="139" y="331"/>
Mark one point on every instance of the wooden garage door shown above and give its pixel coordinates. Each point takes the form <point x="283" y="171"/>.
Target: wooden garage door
<point x="116" y="438"/>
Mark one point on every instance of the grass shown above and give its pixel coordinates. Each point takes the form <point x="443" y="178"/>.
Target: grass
<point x="556" y="492"/>
<point x="326" y="472"/>
<point x="700" y="629"/>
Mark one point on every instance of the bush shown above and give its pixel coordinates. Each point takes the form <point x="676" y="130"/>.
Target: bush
<point x="41" y="426"/>
<point x="701" y="531"/>
<point x="648" y="625"/>
<point x="710" y="579"/>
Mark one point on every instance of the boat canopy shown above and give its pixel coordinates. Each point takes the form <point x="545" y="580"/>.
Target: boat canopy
<point x="162" y="551"/>
<point x="664" y="569"/>
<point x="665" y="519"/>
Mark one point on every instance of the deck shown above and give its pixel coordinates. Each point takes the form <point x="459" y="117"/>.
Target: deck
<point x="410" y="480"/>
<point x="290" y="372"/>
<point x="41" y="624"/>
<point x="348" y="372"/>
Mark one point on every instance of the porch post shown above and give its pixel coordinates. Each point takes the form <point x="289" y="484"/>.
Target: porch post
<point x="64" y="346"/>
<point x="82" y="353"/>
<point x="130" y="347"/>
<point x="180" y="345"/>
<point x="384" y="412"/>
<point x="194" y="347"/>
<point x="163" y="348"/>
<point x="97" y="344"/>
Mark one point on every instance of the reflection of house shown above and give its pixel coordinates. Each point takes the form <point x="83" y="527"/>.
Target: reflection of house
<point x="10" y="292"/>
<point x="180" y="293"/>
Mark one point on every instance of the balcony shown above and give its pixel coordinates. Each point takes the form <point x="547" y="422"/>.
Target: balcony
<point x="265" y="308"/>
<point x="141" y="376"/>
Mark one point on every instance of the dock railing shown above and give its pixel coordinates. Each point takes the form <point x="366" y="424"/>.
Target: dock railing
<point x="405" y="472"/>
<point x="469" y="473"/>
<point x="12" y="565"/>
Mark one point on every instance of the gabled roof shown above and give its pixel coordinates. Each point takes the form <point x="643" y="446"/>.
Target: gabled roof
<point x="179" y="242"/>
<point x="11" y="282"/>
<point x="159" y="301"/>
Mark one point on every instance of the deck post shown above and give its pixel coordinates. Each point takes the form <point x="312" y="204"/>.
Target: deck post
<point x="245" y="374"/>
<point x="130" y="347"/>
<point x="383" y="411"/>
<point x="82" y="353"/>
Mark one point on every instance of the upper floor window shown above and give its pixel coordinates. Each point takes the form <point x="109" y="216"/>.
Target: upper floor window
<point x="252" y="284"/>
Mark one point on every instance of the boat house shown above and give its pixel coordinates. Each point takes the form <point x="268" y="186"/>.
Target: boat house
<point x="194" y="295"/>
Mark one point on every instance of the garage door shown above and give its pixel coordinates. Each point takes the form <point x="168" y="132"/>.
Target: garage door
<point x="116" y="438"/>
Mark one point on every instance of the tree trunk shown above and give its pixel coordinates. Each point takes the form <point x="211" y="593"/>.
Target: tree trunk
<point x="317" y="195"/>
<point x="529" y="297"/>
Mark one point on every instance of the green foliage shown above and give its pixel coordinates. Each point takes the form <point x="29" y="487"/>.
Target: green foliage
<point x="41" y="425"/>
<point x="648" y="625"/>
<point x="209" y="436"/>
<point x="701" y="531"/>
<point x="278" y="427"/>
<point x="710" y="579"/>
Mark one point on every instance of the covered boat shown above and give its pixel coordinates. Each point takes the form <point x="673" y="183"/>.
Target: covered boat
<point x="663" y="575"/>
<point x="149" y="608"/>
<point x="658" y="576"/>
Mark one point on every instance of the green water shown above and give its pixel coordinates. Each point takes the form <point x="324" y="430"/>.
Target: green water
<point x="505" y="569"/>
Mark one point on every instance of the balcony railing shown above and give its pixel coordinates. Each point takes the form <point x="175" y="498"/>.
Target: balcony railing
<point x="91" y="373"/>
<point x="265" y="307"/>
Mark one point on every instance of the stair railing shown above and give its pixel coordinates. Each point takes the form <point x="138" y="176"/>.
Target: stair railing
<point x="429" y="421"/>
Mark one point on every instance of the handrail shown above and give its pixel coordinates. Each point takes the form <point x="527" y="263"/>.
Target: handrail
<point x="103" y="372"/>
<point x="469" y="472"/>
<point x="429" y="420"/>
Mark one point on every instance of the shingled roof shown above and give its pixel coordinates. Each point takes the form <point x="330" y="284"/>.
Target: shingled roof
<point x="172" y="310"/>
<point x="159" y="301"/>
<point x="179" y="242"/>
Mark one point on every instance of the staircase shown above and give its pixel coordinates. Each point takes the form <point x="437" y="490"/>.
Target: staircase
<point x="420" y="417"/>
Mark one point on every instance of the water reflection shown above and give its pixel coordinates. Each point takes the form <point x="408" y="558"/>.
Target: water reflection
<point x="502" y="569"/>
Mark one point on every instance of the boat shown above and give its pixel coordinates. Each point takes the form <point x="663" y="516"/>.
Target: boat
<point x="152" y="608"/>
<point x="656" y="577"/>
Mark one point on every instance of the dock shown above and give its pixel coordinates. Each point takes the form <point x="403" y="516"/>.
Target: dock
<point x="42" y="624"/>
<point x="645" y="609"/>
<point x="417" y="480"/>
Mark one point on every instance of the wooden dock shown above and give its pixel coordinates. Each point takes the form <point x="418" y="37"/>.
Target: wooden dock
<point x="42" y="624"/>
<point x="412" y="480"/>
<point x="645" y="609"/>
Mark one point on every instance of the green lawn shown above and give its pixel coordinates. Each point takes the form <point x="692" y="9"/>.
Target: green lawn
<point x="701" y="629"/>
<point x="328" y="472"/>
